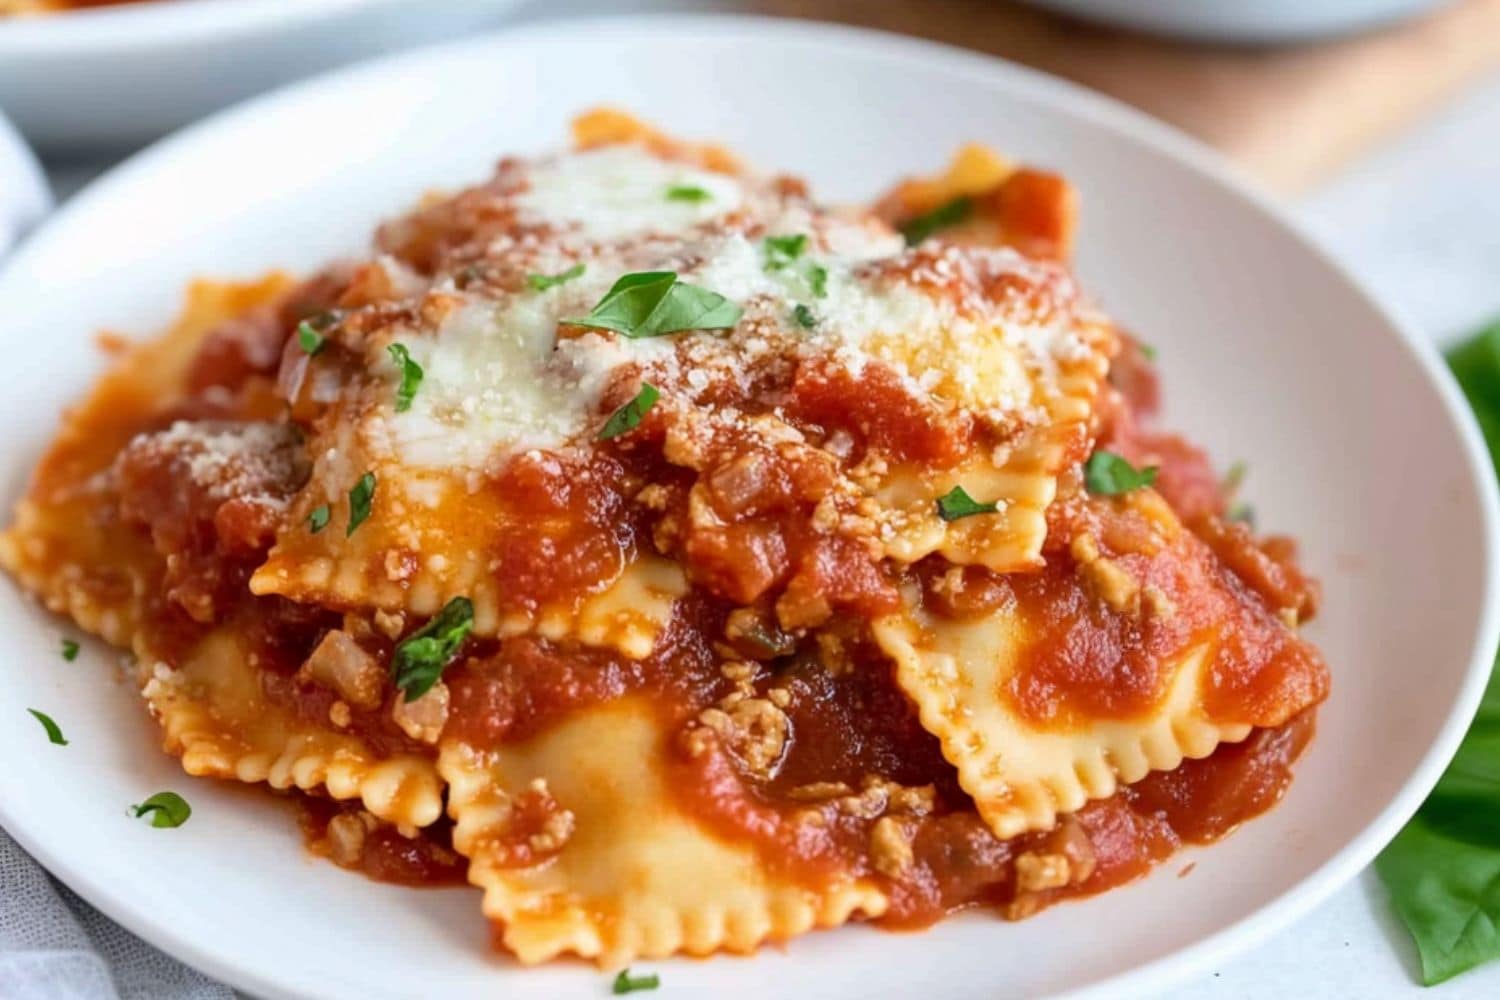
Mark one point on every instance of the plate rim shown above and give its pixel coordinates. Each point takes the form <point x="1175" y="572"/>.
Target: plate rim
<point x="127" y="30"/>
<point x="1101" y="112"/>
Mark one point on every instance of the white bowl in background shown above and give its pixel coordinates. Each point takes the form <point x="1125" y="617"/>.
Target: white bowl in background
<point x="24" y="197"/>
<point x="1357" y="439"/>
<point x="1257" y="21"/>
<point x="114" y="77"/>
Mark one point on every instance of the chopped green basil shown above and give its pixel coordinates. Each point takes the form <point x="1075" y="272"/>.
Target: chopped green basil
<point x="309" y="339"/>
<point x="411" y="376"/>
<point x="167" y="809"/>
<point x="950" y="213"/>
<point x="542" y="282"/>
<point x="631" y="414"/>
<point x="421" y="657"/>
<point x="1442" y="870"/>
<point x="784" y="250"/>
<point x="1235" y="477"/>
<point x="54" y="734"/>
<point x="1147" y="351"/>
<point x="318" y="519"/>
<point x="654" y="303"/>
<point x="1243" y="513"/>
<point x="817" y="279"/>
<point x="70" y="649"/>
<point x="804" y="317"/>
<point x="957" y="503"/>
<point x="360" y="499"/>
<point x="626" y="983"/>
<point x="1107" y="474"/>
<point x="688" y="192"/>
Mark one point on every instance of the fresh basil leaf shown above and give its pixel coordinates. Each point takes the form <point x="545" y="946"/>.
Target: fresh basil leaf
<point x="804" y="317"/>
<point x="411" y="376"/>
<point x="950" y="213"/>
<point x="318" y="519"/>
<point x="70" y="649"/>
<point x="1476" y="365"/>
<point x="957" y="503"/>
<point x="631" y="414"/>
<point x="361" y="497"/>
<point x="422" y="656"/>
<point x="654" y="303"/>
<point x="688" y="192"/>
<point x="309" y="339"/>
<point x="54" y="734"/>
<point x="167" y="809"/>
<point x="783" y="250"/>
<point x="817" y="279"/>
<point x="542" y="282"/>
<point x="1443" y="869"/>
<point x="1235" y="477"/>
<point x="1107" y="474"/>
<point x="627" y="983"/>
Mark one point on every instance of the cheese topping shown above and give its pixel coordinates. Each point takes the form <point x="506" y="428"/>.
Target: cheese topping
<point x="499" y="379"/>
<point x="617" y="191"/>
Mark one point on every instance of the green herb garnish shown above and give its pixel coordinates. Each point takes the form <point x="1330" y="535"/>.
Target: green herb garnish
<point x="626" y="983"/>
<point x="70" y="649"/>
<point x="167" y="809"/>
<point x="687" y="192"/>
<point x="1147" y="351"/>
<point x="309" y="339"/>
<point x="654" y="303"/>
<point x="1443" y="869"/>
<point x="804" y="317"/>
<point x="318" y="519"/>
<point x="782" y="251"/>
<point x="1235" y="477"/>
<point x="1243" y="513"/>
<point x="950" y="213"/>
<point x="411" y="376"/>
<point x="360" y="499"/>
<point x="1107" y="474"/>
<point x="957" y="503"/>
<point x="421" y="657"/>
<point x="542" y="282"/>
<point x="54" y="734"/>
<point x="631" y="414"/>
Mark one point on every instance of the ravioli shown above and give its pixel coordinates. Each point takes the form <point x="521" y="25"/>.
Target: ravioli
<point x="601" y="863"/>
<point x="713" y="564"/>
<point x="1112" y="663"/>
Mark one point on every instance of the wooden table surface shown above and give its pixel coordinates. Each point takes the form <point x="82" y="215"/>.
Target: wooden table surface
<point x="1291" y="115"/>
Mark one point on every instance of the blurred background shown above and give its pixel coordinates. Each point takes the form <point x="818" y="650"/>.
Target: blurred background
<point x="1377" y="121"/>
<point x="1379" y="117"/>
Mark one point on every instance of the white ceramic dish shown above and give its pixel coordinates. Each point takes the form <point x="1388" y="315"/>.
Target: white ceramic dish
<point x="1357" y="440"/>
<point x="118" y="76"/>
<point x="24" y="197"/>
<point x="1259" y="21"/>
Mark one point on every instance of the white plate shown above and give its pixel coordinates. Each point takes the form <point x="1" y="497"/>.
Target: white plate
<point x="1356" y="439"/>
<point x="117" y="76"/>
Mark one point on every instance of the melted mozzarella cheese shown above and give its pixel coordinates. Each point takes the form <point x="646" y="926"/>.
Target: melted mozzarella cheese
<point x="499" y="380"/>
<point x="619" y="191"/>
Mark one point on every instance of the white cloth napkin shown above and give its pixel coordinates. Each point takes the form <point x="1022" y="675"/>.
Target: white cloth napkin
<point x="54" y="946"/>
